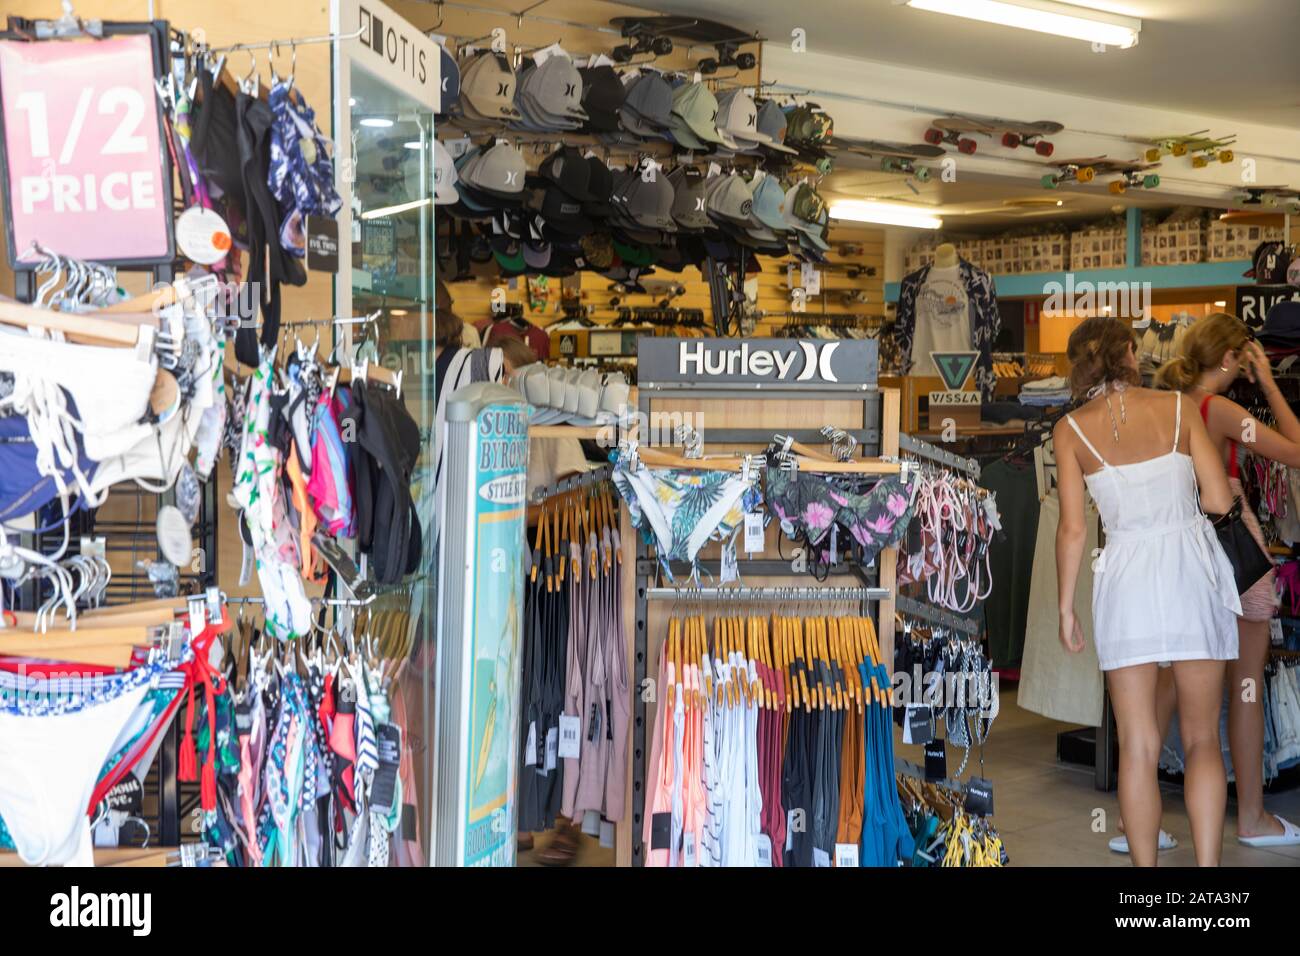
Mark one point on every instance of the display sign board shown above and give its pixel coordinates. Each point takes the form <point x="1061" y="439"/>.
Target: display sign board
<point x="1254" y="301"/>
<point x="776" y="363"/>
<point x="394" y="50"/>
<point x="954" y="368"/>
<point x="85" y="170"/>
<point x="481" y="604"/>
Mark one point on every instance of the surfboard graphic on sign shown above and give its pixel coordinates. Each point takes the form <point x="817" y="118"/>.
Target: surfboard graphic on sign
<point x="954" y="368"/>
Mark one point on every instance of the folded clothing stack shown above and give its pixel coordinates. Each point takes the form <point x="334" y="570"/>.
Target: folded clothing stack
<point x="1045" y="392"/>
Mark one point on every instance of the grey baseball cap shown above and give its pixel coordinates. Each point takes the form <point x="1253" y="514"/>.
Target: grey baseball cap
<point x="771" y="123"/>
<point x="550" y="95"/>
<point x="738" y="116"/>
<point x="689" y="198"/>
<point x="645" y="203"/>
<point x="699" y="111"/>
<point x="487" y="88"/>
<point x="498" y="171"/>
<point x="649" y="102"/>
<point x="729" y="200"/>
<point x="444" y="176"/>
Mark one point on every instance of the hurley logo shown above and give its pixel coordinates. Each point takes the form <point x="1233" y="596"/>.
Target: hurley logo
<point x="699" y="358"/>
<point x="77" y="909"/>
<point x="570" y="90"/>
<point x="503" y="89"/>
<point x="512" y="177"/>
<point x="699" y="204"/>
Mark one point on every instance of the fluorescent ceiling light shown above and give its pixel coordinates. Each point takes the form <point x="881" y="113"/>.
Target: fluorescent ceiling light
<point x="397" y="312"/>
<point x="394" y="210"/>
<point x="1043" y="16"/>
<point x="1221" y="303"/>
<point x="885" y="214"/>
<point x="414" y="144"/>
<point x="377" y="122"/>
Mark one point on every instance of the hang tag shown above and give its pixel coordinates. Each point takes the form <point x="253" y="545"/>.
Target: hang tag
<point x="835" y="544"/>
<point x="213" y="595"/>
<point x="407" y="826"/>
<point x="1275" y="635"/>
<point x="936" y="760"/>
<point x="661" y="830"/>
<point x="383" y="790"/>
<point x="458" y="147"/>
<point x="821" y="858"/>
<point x="846" y="854"/>
<point x="789" y="830"/>
<point x="730" y="570"/>
<point x="754" y="532"/>
<point x="544" y="54"/>
<point x="198" y="615"/>
<point x="591" y="823"/>
<point x="764" y="849"/>
<point x="202" y="236"/>
<point x="570" y="737"/>
<point x="688" y="849"/>
<point x="552" y="748"/>
<point x="530" y="748"/>
<point x="979" y="797"/>
<point x="697" y="78"/>
<point x="714" y="170"/>
<point x="593" y="724"/>
<point x="606" y="834"/>
<point x="811" y="278"/>
<point x="919" y="727"/>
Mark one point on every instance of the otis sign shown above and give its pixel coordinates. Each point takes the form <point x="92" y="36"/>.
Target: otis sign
<point x="786" y="363"/>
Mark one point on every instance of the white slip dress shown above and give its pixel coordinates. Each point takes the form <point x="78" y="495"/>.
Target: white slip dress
<point x="1163" y="589"/>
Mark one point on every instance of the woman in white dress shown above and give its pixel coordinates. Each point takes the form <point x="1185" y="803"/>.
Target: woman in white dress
<point x="1163" y="590"/>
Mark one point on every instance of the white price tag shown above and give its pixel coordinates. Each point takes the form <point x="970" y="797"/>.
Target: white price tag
<point x="764" y="850"/>
<point x="570" y="737"/>
<point x="552" y="748"/>
<point x="530" y="749"/>
<point x="821" y="858"/>
<point x="688" y="849"/>
<point x="753" y="532"/>
<point x="789" y="830"/>
<point x="812" y="278"/>
<point x="846" y="854"/>
<point x="1275" y="634"/>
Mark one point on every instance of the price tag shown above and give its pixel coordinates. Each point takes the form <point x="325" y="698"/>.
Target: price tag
<point x="811" y="278"/>
<point x="1275" y="635"/>
<point x="729" y="569"/>
<point x="552" y="748"/>
<point x="198" y="615"/>
<point x="789" y="830"/>
<point x="606" y="834"/>
<point x="821" y="858"/>
<point x="979" y="797"/>
<point x="936" y="760"/>
<point x="846" y="854"/>
<point x="753" y="532"/>
<point x="213" y="595"/>
<point x="530" y="748"/>
<point x="570" y="737"/>
<point x="764" y="850"/>
<point x="688" y="849"/>
<point x="919" y="727"/>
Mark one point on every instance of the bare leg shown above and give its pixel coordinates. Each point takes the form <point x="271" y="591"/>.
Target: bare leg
<point x="1205" y="784"/>
<point x="1246" y="729"/>
<point x="1166" y="705"/>
<point x="1132" y="695"/>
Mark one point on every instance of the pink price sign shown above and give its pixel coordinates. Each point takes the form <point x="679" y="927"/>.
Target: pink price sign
<point x="83" y="157"/>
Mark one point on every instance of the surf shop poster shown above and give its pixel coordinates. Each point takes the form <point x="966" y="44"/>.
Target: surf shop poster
<point x="501" y="450"/>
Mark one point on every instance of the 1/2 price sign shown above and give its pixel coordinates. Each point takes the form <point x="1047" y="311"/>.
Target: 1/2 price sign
<point x="83" y="157"/>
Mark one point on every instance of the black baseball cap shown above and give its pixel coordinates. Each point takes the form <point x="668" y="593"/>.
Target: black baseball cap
<point x="600" y="184"/>
<point x="560" y="211"/>
<point x="568" y="169"/>
<point x="602" y="95"/>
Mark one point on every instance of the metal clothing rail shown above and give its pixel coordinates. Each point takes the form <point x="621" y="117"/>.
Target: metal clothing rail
<point x="291" y="42"/>
<point x="593" y="477"/>
<point x="923" y="449"/>
<point x="327" y="602"/>
<point x="914" y="608"/>
<point x="801" y="594"/>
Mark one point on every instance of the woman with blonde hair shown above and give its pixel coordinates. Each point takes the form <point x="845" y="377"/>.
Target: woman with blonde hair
<point x="1215" y="351"/>
<point x="1163" y="589"/>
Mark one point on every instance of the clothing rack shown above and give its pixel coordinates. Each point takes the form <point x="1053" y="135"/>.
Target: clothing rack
<point x="292" y="42"/>
<point x="794" y="594"/>
<point x="914" y="608"/>
<point x="319" y="601"/>
<point x="923" y="449"/>
<point x="593" y="477"/>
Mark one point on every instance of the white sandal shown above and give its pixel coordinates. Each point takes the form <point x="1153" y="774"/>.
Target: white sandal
<point x="1119" y="844"/>
<point x="1290" y="836"/>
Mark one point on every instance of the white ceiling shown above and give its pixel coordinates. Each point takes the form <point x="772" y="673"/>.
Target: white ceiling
<point x="1231" y="58"/>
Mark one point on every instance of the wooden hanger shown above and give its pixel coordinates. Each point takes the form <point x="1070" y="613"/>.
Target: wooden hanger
<point x="865" y="466"/>
<point x="77" y="327"/>
<point x="108" y="646"/>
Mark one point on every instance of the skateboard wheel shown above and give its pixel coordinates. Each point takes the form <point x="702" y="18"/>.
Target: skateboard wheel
<point x="887" y="165"/>
<point x="1226" y="156"/>
<point x="933" y="136"/>
<point x="1043" y="148"/>
<point x="1117" y="186"/>
<point x="1199" y="162"/>
<point x="824" y="165"/>
<point x="746" y="61"/>
<point x="1152" y="154"/>
<point x="1151" y="181"/>
<point x="1049" y="181"/>
<point x="662" y="46"/>
<point x="1085" y="174"/>
<point x="922" y="174"/>
<point x="1010" y="140"/>
<point x="1180" y="149"/>
<point x="966" y="146"/>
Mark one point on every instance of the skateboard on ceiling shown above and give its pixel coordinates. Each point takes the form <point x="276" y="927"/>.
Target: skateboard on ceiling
<point x="1132" y="173"/>
<point x="1204" y="149"/>
<point x="655" y="34"/>
<point x="949" y="129"/>
<point x="1275" y="197"/>
<point x="894" y="157"/>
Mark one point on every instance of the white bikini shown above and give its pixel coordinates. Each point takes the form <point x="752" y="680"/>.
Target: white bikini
<point x="1163" y="590"/>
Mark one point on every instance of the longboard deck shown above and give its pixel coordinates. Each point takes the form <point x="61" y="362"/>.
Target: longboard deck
<point x="690" y="29"/>
<point x="877" y="148"/>
<point x="992" y="125"/>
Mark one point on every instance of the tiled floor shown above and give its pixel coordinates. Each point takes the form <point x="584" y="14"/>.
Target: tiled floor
<point x="1049" y="813"/>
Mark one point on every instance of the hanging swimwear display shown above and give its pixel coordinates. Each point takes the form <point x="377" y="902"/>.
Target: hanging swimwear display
<point x="480" y="624"/>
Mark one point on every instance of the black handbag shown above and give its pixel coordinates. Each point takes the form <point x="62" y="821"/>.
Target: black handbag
<point x="1249" y="561"/>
